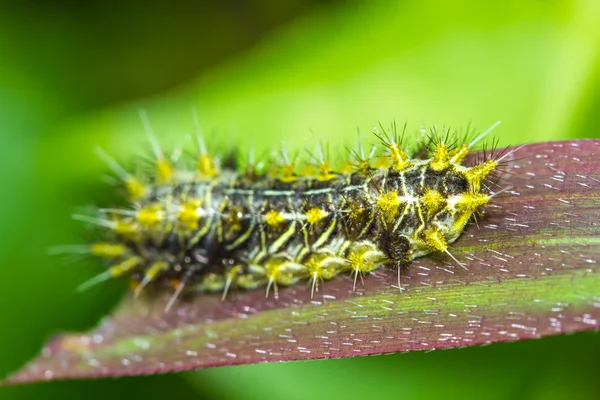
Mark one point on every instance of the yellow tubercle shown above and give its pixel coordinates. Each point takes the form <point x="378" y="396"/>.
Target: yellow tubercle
<point x="354" y="210"/>
<point x="362" y="259"/>
<point x="388" y="204"/>
<point x="460" y="221"/>
<point x="398" y="157"/>
<point x="150" y="216"/>
<point x="470" y="202"/>
<point x="233" y="272"/>
<point x="477" y="174"/>
<point x="465" y="206"/>
<point x="135" y="188"/>
<point x="188" y="217"/>
<point x="319" y="270"/>
<point x="125" y="266"/>
<point x="314" y="215"/>
<point x="435" y="239"/>
<point x="155" y="269"/>
<point x="150" y="274"/>
<point x="108" y="250"/>
<point x="206" y="166"/>
<point x="363" y="167"/>
<point x="441" y="158"/>
<point x="325" y="172"/>
<point x="274" y="219"/>
<point x="164" y="171"/>
<point x="283" y="272"/>
<point x="432" y="201"/>
<point x="127" y="229"/>
<point x="288" y="175"/>
<point x="360" y="263"/>
<point x="458" y="155"/>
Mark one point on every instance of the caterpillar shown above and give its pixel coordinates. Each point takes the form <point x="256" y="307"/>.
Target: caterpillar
<point x="216" y="227"/>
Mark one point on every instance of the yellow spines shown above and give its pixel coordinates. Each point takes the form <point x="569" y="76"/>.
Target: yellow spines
<point x="321" y="267"/>
<point x="363" y="167"/>
<point x="150" y="216"/>
<point x="388" y="203"/>
<point x="355" y="210"/>
<point x="458" y="155"/>
<point x="206" y="166"/>
<point x="399" y="158"/>
<point x="465" y="205"/>
<point x="231" y="277"/>
<point x="115" y="271"/>
<point x="434" y="238"/>
<point x="126" y="266"/>
<point x="432" y="201"/>
<point x="150" y="274"/>
<point x="361" y="163"/>
<point x="325" y="171"/>
<point x="283" y="272"/>
<point x="476" y="174"/>
<point x="134" y="224"/>
<point x="188" y="218"/>
<point x="315" y="215"/>
<point x="288" y="174"/>
<point x="362" y="258"/>
<point x="282" y="168"/>
<point x="164" y="171"/>
<point x="127" y="229"/>
<point x="108" y="250"/>
<point x="135" y="188"/>
<point x="155" y="269"/>
<point x="470" y="202"/>
<point x="441" y="158"/>
<point x="360" y="262"/>
<point x="320" y="168"/>
<point x="274" y="219"/>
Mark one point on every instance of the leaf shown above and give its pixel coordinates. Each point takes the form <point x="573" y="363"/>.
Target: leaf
<point x="533" y="271"/>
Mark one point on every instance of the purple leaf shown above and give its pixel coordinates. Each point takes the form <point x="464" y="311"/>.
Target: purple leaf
<point x="533" y="270"/>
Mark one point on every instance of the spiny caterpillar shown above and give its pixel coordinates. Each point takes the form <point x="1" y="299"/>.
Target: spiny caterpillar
<point x="214" y="228"/>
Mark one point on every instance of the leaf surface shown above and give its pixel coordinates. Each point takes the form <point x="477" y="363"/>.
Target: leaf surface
<point x="533" y="270"/>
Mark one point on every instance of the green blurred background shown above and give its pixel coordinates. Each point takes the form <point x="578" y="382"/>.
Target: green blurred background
<point x="72" y="75"/>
